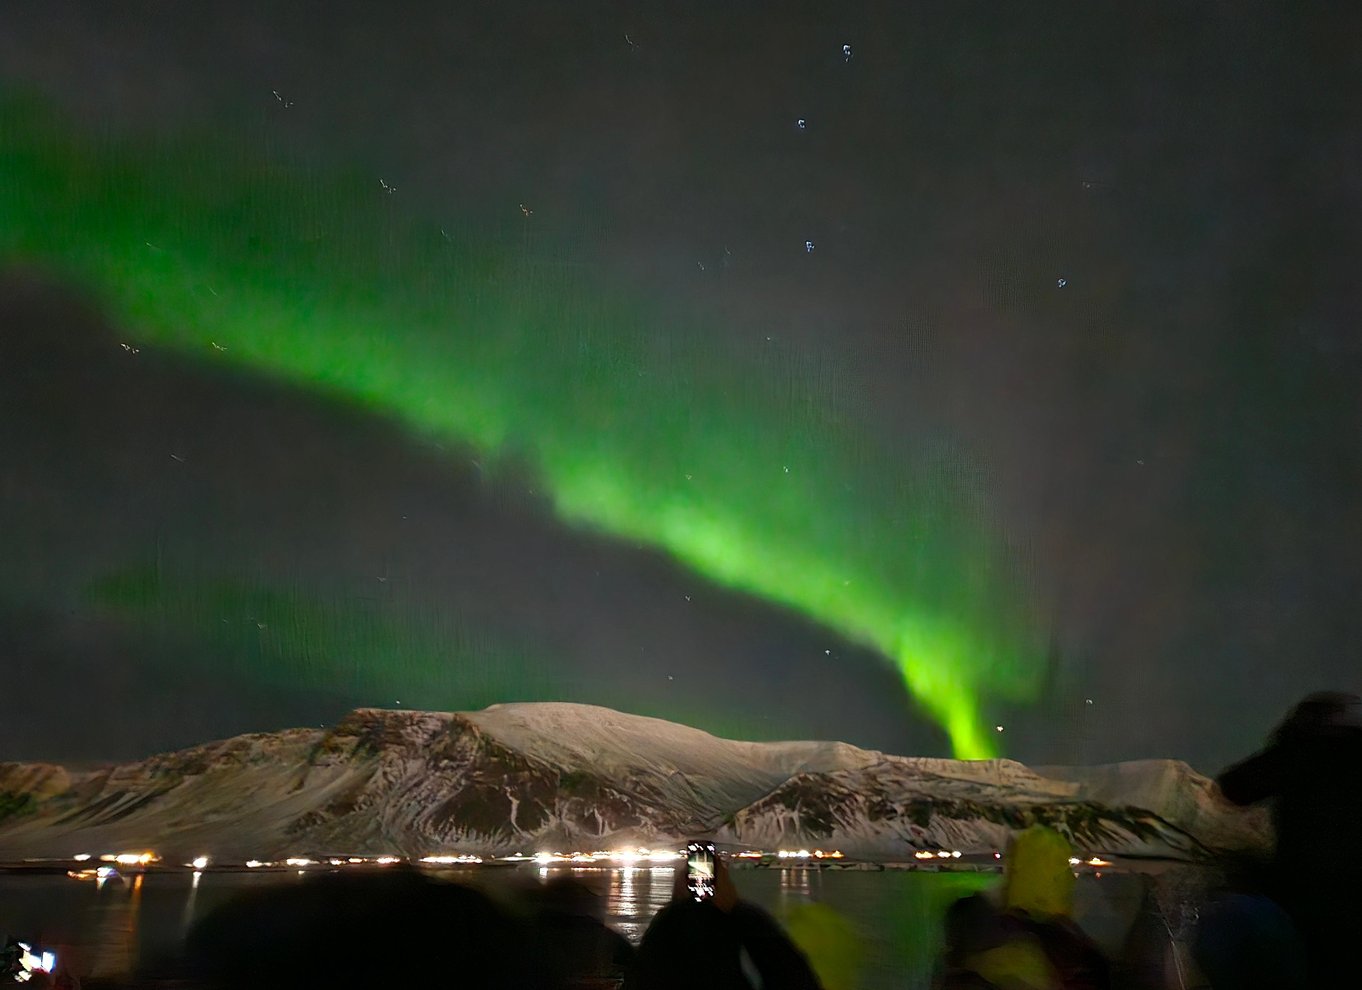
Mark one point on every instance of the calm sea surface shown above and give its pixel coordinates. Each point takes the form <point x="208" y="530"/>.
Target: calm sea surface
<point x="109" y="929"/>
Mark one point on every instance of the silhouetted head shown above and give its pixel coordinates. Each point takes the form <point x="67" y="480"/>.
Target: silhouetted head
<point x="687" y="938"/>
<point x="972" y="925"/>
<point x="360" y="930"/>
<point x="569" y="895"/>
<point x="1321" y="712"/>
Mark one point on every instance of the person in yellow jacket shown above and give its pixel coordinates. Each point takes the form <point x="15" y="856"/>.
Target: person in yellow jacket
<point x="1028" y="940"/>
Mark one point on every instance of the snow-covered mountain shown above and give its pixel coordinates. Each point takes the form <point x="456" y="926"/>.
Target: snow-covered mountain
<point x="565" y="777"/>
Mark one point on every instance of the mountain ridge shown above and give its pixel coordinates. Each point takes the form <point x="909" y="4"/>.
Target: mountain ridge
<point x="555" y="776"/>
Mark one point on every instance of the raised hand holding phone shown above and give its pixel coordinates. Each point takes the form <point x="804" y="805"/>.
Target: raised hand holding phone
<point x="701" y="870"/>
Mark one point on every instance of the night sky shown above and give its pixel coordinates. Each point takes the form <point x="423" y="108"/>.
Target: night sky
<point x="887" y="376"/>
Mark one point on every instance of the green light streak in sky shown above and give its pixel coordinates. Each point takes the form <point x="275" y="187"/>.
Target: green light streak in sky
<point x="748" y="466"/>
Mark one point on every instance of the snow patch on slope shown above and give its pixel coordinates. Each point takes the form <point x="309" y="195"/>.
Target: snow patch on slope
<point x="561" y="732"/>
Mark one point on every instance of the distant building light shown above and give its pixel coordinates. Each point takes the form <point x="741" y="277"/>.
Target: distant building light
<point x="132" y="859"/>
<point x="449" y="860"/>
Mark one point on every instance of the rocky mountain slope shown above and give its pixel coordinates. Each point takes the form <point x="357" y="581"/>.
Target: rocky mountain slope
<point x="563" y="777"/>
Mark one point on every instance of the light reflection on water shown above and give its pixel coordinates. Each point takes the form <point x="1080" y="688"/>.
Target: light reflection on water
<point x="115" y="949"/>
<point x="794" y="885"/>
<point x="187" y="918"/>
<point x="105" y="929"/>
<point x="636" y="894"/>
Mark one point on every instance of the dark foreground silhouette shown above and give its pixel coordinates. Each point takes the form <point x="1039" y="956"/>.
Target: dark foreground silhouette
<point x="721" y="944"/>
<point x="577" y="947"/>
<point x="403" y="929"/>
<point x="397" y="929"/>
<point x="1026" y="939"/>
<point x="1298" y="923"/>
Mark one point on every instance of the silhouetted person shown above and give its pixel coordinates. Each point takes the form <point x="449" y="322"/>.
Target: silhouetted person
<point x="394" y="929"/>
<point x="711" y="944"/>
<point x="577" y="947"/>
<point x="973" y="925"/>
<point x="1311" y="772"/>
<point x="1028" y="940"/>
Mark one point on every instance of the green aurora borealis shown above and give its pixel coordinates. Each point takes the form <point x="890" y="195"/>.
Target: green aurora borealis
<point x="749" y="465"/>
